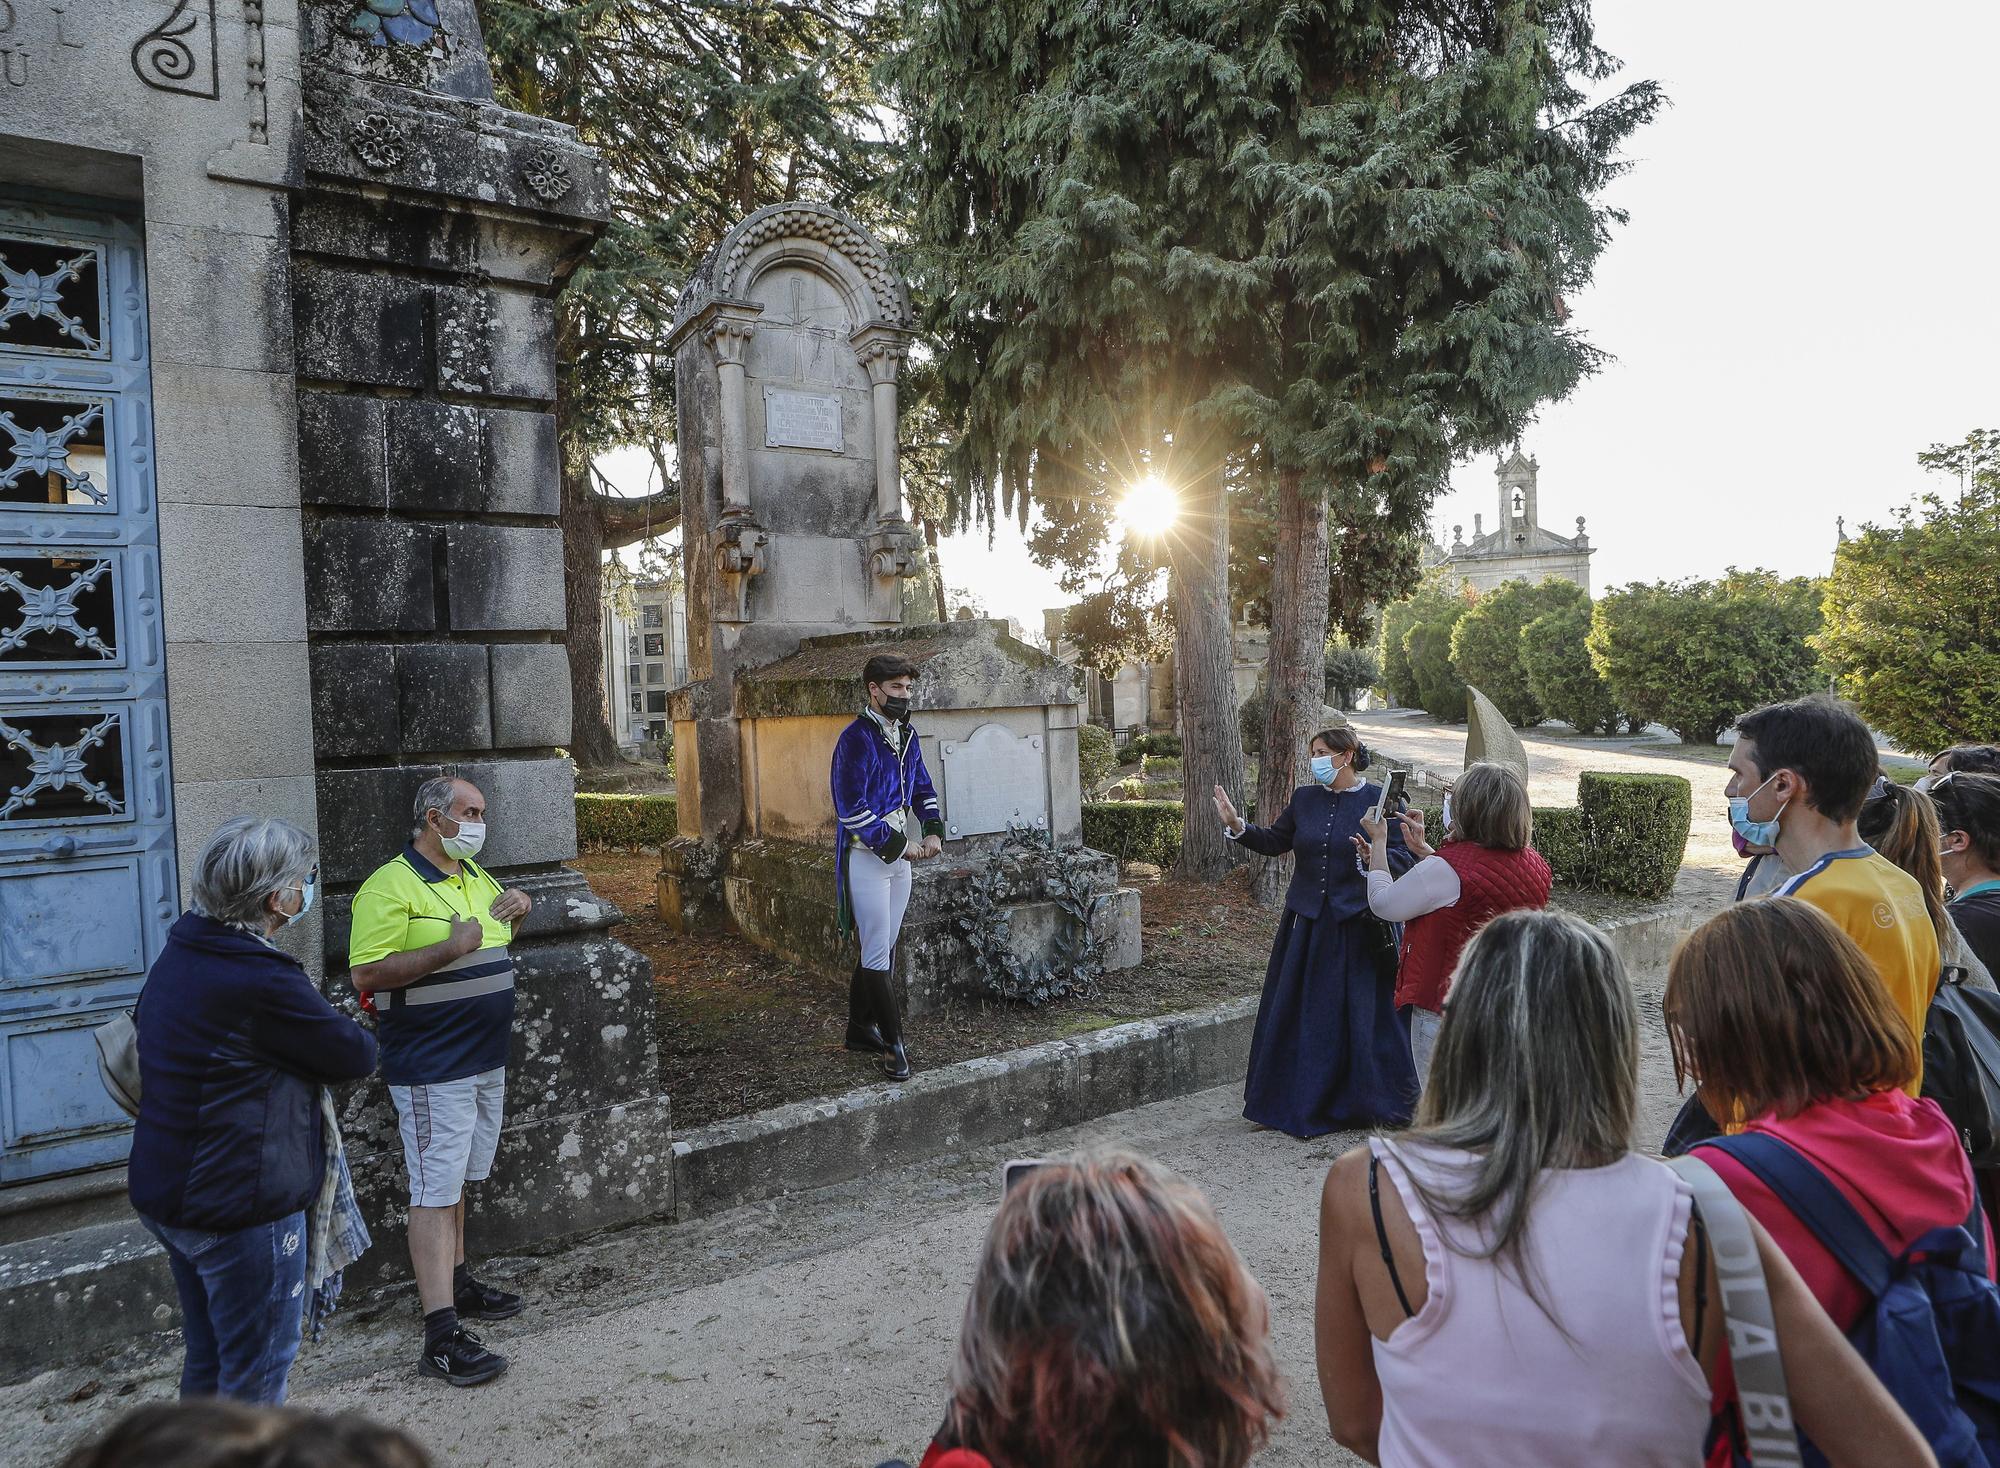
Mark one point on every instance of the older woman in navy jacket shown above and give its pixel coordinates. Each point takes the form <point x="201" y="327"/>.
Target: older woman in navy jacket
<point x="234" y="1045"/>
<point x="1329" y="1051"/>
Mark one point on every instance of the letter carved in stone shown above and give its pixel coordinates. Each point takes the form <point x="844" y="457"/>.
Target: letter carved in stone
<point x="178" y="54"/>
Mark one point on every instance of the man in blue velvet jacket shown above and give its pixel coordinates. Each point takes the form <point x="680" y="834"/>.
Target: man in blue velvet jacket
<point x="880" y="787"/>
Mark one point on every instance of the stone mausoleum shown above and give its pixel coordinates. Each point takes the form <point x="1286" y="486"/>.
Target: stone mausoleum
<point x="278" y="500"/>
<point x="788" y="342"/>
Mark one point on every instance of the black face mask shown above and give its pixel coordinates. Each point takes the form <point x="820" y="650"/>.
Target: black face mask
<point x="895" y="708"/>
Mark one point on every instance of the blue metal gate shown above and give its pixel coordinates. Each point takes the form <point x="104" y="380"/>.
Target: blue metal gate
<point x="87" y="885"/>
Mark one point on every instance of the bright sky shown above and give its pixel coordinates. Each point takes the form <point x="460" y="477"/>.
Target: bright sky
<point x="1805" y="296"/>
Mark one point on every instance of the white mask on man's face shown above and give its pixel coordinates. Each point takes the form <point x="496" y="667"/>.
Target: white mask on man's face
<point x="467" y="843"/>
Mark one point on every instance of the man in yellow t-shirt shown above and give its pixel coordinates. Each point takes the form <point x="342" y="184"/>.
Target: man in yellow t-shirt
<point x="430" y="948"/>
<point x="1798" y="776"/>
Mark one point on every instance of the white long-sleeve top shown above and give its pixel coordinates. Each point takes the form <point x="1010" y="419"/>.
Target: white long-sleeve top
<point x="1425" y="887"/>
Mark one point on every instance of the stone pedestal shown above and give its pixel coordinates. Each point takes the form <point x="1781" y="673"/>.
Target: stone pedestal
<point x="998" y="722"/>
<point x="431" y="232"/>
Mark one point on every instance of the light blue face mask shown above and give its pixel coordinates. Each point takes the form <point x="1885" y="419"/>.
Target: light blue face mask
<point x="1323" y="768"/>
<point x="308" y="890"/>
<point x="1757" y="833"/>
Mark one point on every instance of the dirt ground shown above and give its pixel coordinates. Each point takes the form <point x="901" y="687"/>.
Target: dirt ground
<point x="741" y="1030"/>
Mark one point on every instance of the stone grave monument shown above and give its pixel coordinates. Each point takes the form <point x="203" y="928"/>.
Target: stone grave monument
<point x="787" y="344"/>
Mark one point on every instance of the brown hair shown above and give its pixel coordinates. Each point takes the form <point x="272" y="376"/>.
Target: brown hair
<point x="1111" y="1325"/>
<point x="1773" y="1008"/>
<point x="1902" y="824"/>
<point x="208" y="1432"/>
<point x="1970" y="759"/>
<point x="1489" y="807"/>
<point x="1343" y="741"/>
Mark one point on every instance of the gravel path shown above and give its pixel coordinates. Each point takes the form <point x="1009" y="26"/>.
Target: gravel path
<point x="815" y="1330"/>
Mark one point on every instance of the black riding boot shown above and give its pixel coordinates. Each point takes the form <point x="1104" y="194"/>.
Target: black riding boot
<point x="864" y="1032"/>
<point x="889" y="1019"/>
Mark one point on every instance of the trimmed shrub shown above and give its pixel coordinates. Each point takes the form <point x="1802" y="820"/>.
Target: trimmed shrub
<point x="1135" y="830"/>
<point x="1560" y="673"/>
<point x="1636" y="827"/>
<point x="1096" y="755"/>
<point x="1559" y="838"/>
<point x="1145" y="744"/>
<point x="625" y="822"/>
<point x="1439" y="688"/>
<point x="1486" y="644"/>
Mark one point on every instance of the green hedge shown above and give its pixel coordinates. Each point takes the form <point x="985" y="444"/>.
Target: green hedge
<point x="1096" y="754"/>
<point x="625" y="822"/>
<point x="1168" y="745"/>
<point x="1135" y="830"/>
<point x="1559" y="838"/>
<point x="1637" y="830"/>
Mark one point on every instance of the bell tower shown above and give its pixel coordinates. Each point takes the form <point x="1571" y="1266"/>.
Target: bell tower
<point x="1518" y="511"/>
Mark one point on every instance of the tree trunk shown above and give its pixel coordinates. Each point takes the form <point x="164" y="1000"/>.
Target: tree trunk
<point x="937" y="570"/>
<point x="1204" y="690"/>
<point x="1295" y="675"/>
<point x="591" y="743"/>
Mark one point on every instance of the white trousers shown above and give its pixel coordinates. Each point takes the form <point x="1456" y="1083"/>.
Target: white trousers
<point x="878" y="891"/>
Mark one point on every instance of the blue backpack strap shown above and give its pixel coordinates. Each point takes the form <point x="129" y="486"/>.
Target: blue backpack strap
<point x="1816" y="1203"/>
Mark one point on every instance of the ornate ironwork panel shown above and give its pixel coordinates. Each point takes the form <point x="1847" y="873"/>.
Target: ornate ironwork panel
<point x="87" y="882"/>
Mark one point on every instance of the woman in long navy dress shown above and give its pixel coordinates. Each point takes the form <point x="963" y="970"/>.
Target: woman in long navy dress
<point x="1329" y="1052"/>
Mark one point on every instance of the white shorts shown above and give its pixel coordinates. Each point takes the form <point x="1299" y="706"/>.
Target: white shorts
<point x="450" y="1132"/>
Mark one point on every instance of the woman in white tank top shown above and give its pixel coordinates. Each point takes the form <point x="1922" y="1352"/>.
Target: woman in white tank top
<point x="1509" y="1284"/>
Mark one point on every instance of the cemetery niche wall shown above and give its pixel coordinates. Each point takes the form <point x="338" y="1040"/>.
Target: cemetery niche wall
<point x="787" y="345"/>
<point x="278" y="534"/>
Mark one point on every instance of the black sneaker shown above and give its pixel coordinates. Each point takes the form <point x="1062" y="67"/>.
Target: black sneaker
<point x="462" y="1359"/>
<point x="478" y="1301"/>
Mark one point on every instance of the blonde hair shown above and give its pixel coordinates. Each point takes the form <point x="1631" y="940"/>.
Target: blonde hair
<point x="1489" y="807"/>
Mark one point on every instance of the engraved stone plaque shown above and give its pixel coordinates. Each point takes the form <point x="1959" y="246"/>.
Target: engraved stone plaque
<point x="994" y="780"/>
<point x="801" y="420"/>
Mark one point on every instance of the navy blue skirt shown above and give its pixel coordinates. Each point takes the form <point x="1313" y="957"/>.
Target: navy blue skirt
<point x="1329" y="1053"/>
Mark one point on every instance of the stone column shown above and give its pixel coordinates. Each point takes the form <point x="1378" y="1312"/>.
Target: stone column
<point x="881" y="353"/>
<point x="728" y="334"/>
<point x="893" y="550"/>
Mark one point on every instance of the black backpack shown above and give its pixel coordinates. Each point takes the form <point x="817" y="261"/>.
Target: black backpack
<point x="1962" y="1064"/>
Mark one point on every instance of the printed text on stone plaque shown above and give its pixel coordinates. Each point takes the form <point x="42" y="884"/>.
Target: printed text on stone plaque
<point x="801" y="420"/>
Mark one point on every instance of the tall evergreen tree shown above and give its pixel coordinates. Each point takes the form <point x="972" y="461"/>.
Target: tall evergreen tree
<point x="1316" y="250"/>
<point x="702" y="111"/>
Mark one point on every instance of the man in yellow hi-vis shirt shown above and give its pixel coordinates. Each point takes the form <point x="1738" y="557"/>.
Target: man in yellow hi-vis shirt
<point x="430" y="945"/>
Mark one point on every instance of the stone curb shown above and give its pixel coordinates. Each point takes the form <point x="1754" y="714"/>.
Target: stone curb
<point x="992" y="1099"/>
<point x="974" y="1103"/>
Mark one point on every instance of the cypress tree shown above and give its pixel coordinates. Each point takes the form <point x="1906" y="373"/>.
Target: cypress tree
<point x="1314" y="251"/>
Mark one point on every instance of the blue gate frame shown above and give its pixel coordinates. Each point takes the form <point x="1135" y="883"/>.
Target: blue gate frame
<point x="87" y="881"/>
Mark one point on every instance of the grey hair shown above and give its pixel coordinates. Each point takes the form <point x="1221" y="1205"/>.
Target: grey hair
<point x="246" y="861"/>
<point x="1537" y="1067"/>
<point x="433" y="795"/>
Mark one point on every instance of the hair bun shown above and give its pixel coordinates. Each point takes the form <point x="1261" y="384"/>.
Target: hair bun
<point x="1360" y="755"/>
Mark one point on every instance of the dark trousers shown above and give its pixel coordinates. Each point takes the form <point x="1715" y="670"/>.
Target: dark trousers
<point x="242" y="1303"/>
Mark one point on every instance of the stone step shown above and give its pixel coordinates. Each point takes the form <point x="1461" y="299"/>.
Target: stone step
<point x="69" y="1295"/>
<point x="59" y="1204"/>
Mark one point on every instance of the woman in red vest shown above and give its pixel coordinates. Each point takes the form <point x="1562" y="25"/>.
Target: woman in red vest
<point x="1483" y="867"/>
